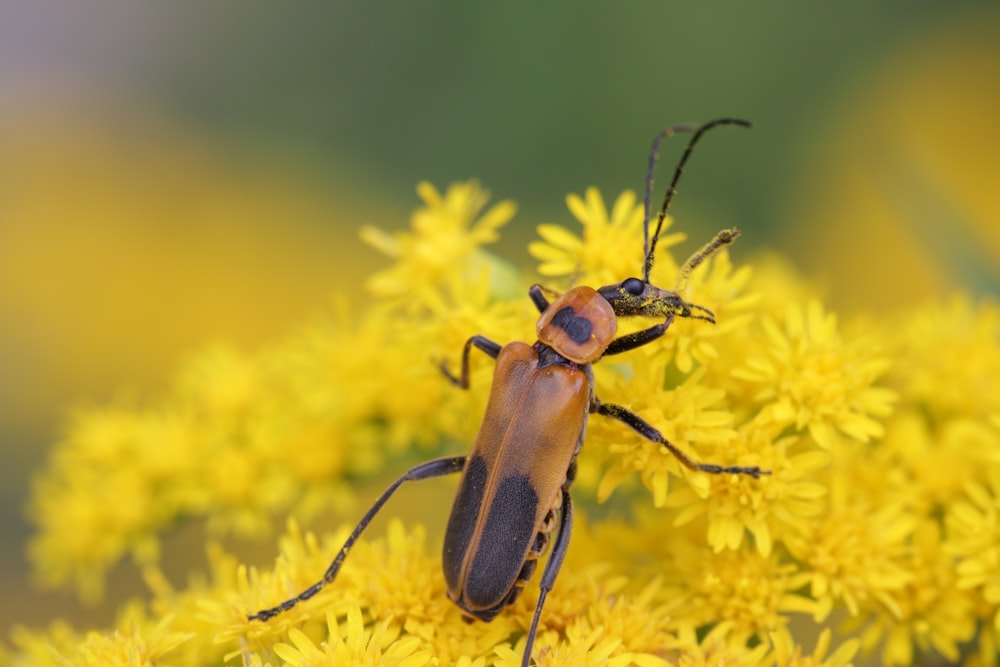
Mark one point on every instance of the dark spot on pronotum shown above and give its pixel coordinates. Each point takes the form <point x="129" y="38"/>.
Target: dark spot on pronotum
<point x="578" y="329"/>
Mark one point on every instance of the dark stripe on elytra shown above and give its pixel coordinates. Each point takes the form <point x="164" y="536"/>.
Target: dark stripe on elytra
<point x="577" y="328"/>
<point x="508" y="532"/>
<point x="462" y="523"/>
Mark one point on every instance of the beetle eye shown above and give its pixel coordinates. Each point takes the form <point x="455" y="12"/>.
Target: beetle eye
<point x="633" y="286"/>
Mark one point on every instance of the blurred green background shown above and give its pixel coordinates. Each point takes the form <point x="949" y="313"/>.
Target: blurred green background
<point x="175" y="173"/>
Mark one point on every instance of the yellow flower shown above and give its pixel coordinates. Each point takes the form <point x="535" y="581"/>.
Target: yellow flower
<point x="85" y="525"/>
<point x="930" y="612"/>
<point x="610" y="249"/>
<point x="352" y="644"/>
<point x="953" y="345"/>
<point x="754" y="594"/>
<point x="783" y="503"/>
<point x="974" y="538"/>
<point x="853" y="556"/>
<point x="130" y="648"/>
<point x="787" y="655"/>
<point x="806" y="375"/>
<point x="35" y="648"/>
<point x="933" y="460"/>
<point x="443" y="246"/>
<point x="135" y="642"/>
<point x="716" y="649"/>
<point x="592" y="598"/>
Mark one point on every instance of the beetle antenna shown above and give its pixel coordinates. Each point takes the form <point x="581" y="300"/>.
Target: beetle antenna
<point x="649" y="243"/>
<point x="654" y="154"/>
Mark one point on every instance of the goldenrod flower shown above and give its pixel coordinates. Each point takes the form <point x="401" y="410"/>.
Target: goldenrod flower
<point x="974" y="538"/>
<point x="716" y="649"/>
<point x="755" y="594"/>
<point x="610" y="249"/>
<point x="443" y="247"/>
<point x="136" y="641"/>
<point x="780" y="506"/>
<point x="956" y="343"/>
<point x="805" y="375"/>
<point x="787" y="655"/>
<point x="351" y="644"/>
<point x="853" y="556"/>
<point x="880" y="511"/>
<point x="930" y="613"/>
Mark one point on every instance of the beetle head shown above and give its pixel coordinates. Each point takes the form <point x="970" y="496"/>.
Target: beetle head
<point x="639" y="297"/>
<point x="635" y="297"/>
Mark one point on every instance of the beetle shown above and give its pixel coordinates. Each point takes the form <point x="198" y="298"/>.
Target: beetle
<point x="513" y="494"/>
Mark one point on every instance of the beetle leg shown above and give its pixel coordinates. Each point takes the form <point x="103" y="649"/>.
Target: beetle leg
<point x="482" y="343"/>
<point x="552" y="567"/>
<point x="646" y="430"/>
<point x="435" y="468"/>
<point x="638" y="339"/>
<point x="537" y="293"/>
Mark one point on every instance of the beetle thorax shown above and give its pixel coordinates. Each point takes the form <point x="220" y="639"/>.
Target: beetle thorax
<point x="579" y="325"/>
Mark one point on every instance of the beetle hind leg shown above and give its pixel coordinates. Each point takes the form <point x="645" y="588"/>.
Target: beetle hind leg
<point x="435" y="468"/>
<point x="537" y="550"/>
<point x="552" y="568"/>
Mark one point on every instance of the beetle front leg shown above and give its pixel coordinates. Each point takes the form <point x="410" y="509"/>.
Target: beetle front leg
<point x="482" y="343"/>
<point x="638" y="339"/>
<point x="537" y="294"/>
<point x="646" y="430"/>
<point x="552" y="567"/>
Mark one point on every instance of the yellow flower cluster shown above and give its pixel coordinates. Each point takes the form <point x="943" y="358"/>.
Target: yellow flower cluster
<point x="878" y="529"/>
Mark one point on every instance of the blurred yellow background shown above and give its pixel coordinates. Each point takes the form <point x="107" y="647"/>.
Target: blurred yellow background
<point x="172" y="175"/>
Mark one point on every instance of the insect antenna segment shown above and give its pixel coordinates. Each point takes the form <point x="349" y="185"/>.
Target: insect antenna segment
<point x="649" y="242"/>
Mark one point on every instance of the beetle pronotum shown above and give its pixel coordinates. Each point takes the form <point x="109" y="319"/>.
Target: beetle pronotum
<point x="515" y="482"/>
